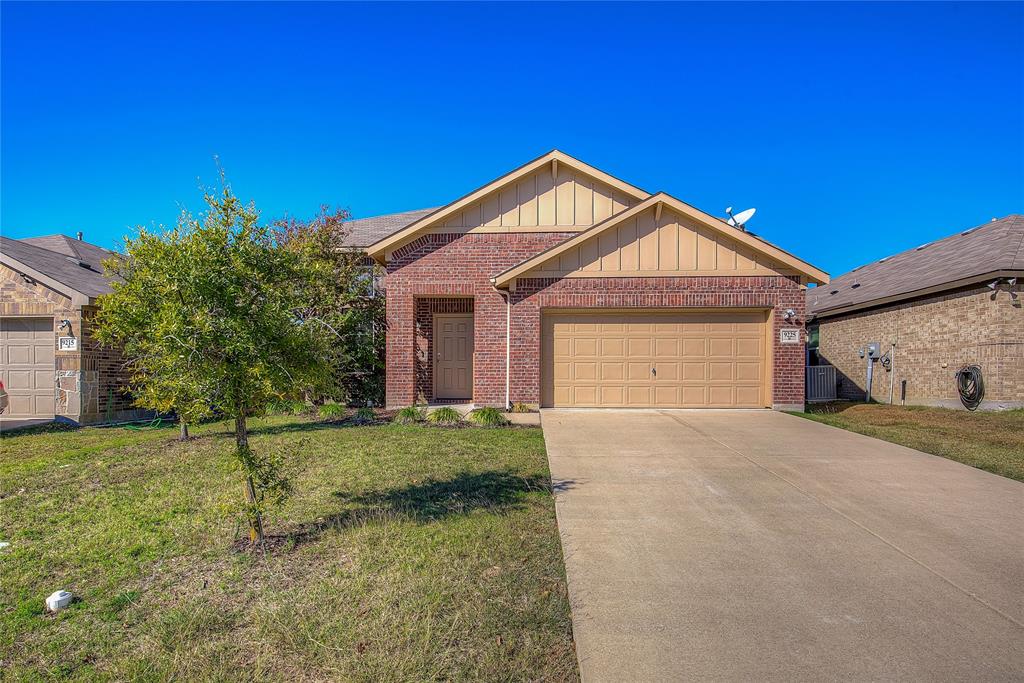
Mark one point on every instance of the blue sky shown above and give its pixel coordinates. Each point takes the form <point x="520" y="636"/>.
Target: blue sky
<point x="856" y="130"/>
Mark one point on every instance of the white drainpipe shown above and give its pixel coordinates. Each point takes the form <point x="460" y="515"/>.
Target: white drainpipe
<point x="508" y="346"/>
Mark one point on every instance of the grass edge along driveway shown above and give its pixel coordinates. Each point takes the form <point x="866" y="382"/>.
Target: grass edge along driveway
<point x="992" y="440"/>
<point x="405" y="553"/>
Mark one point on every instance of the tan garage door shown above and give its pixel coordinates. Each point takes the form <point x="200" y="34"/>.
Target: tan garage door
<point x="26" y="366"/>
<point x="669" y="360"/>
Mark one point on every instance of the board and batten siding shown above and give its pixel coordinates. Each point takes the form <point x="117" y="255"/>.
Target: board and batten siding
<point x="569" y="200"/>
<point x="647" y="245"/>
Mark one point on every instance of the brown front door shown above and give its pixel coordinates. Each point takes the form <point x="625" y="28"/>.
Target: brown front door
<point x="453" y="355"/>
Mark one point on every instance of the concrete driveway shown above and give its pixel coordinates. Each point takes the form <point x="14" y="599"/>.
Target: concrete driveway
<point x="753" y="545"/>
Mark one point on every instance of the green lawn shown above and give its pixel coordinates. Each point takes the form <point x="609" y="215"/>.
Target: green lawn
<point x="405" y="553"/>
<point x="992" y="441"/>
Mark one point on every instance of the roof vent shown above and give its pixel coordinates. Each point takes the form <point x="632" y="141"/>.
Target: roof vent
<point x="883" y="260"/>
<point x="834" y="291"/>
<point x="968" y="232"/>
<point x="855" y="285"/>
<point x="922" y="246"/>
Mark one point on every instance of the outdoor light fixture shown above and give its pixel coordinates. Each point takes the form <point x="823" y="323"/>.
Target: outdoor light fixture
<point x="992" y="285"/>
<point x="65" y="325"/>
<point x="789" y="314"/>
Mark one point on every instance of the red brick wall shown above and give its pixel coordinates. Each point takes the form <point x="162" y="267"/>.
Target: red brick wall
<point x="461" y="265"/>
<point x="451" y="265"/>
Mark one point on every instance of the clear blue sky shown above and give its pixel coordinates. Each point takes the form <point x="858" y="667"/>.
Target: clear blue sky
<point x="856" y="130"/>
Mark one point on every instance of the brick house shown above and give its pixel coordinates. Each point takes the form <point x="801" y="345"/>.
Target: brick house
<point x="561" y="285"/>
<point x="50" y="364"/>
<point x="932" y="310"/>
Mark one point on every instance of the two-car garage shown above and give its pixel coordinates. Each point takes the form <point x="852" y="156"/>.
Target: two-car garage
<point x="674" y="359"/>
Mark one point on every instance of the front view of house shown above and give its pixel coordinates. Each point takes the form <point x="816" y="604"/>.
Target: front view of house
<point x="558" y="285"/>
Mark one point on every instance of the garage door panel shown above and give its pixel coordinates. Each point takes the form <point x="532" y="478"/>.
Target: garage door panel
<point x="748" y="348"/>
<point x="613" y="372"/>
<point x="749" y="394"/>
<point x="613" y="348"/>
<point x="638" y="371"/>
<point x="666" y="348"/>
<point x="718" y="372"/>
<point x="585" y="371"/>
<point x="613" y="395"/>
<point x="695" y="372"/>
<point x="695" y="348"/>
<point x="655" y="359"/>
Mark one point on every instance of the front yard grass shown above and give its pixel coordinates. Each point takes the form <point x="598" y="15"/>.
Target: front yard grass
<point x="405" y="553"/>
<point x="992" y="441"/>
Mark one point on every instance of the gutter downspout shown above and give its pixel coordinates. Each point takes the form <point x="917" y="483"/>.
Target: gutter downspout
<point x="508" y="346"/>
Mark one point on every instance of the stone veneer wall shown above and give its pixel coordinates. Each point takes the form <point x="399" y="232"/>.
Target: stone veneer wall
<point x="934" y="336"/>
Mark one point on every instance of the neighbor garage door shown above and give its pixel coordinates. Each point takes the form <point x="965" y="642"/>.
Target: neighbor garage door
<point x="639" y="360"/>
<point x="26" y="366"/>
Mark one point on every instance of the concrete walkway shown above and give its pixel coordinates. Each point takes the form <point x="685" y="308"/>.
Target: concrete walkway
<point x="753" y="545"/>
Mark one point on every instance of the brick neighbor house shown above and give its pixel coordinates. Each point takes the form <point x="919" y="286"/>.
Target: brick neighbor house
<point x="561" y="285"/>
<point x="932" y="310"/>
<point x="50" y="363"/>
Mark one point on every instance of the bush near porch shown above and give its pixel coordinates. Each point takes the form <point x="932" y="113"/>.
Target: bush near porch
<point x="405" y="553"/>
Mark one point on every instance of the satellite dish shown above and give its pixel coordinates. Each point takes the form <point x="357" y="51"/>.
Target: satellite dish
<point x="740" y="219"/>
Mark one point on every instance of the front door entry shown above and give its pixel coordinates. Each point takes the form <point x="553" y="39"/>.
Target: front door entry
<point x="453" y="355"/>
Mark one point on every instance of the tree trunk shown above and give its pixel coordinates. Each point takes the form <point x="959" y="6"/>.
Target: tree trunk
<point x="255" y="519"/>
<point x="183" y="434"/>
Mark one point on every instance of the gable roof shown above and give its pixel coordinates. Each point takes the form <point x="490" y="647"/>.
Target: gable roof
<point x="79" y="275"/>
<point x="976" y="253"/>
<point x="362" y="232"/>
<point x="378" y="249"/>
<point x="743" y="237"/>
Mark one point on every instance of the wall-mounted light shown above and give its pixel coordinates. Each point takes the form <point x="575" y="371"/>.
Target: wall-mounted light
<point x="788" y="314"/>
<point x="65" y="325"/>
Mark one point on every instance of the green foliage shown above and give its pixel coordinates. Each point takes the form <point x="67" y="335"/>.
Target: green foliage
<point x="365" y="415"/>
<point x="340" y="301"/>
<point x="210" y="315"/>
<point x="445" y="416"/>
<point x="298" y="407"/>
<point x="409" y="415"/>
<point x="332" y="410"/>
<point x="521" y="408"/>
<point x="487" y="417"/>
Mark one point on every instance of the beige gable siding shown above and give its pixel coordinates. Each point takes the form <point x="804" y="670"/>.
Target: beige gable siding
<point x="540" y="201"/>
<point x="648" y="245"/>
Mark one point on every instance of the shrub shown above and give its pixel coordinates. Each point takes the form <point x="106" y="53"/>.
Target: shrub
<point x="364" y="415"/>
<point x="409" y="415"/>
<point x="487" y="417"/>
<point x="332" y="410"/>
<point x="445" y="416"/>
<point x="297" y="407"/>
<point x="521" y="408"/>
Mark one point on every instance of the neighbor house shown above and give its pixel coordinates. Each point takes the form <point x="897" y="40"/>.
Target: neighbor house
<point x="50" y="363"/>
<point x="560" y="285"/>
<point x="932" y="310"/>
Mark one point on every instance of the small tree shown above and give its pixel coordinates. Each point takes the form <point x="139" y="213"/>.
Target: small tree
<point x="209" y="315"/>
<point x="342" y="298"/>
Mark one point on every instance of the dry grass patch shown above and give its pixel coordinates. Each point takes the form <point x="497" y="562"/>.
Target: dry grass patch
<point x="992" y="441"/>
<point x="406" y="553"/>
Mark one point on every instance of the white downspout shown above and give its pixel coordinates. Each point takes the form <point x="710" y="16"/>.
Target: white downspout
<point x="508" y="346"/>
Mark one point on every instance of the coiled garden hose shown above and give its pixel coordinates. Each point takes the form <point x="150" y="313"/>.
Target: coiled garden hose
<point x="970" y="385"/>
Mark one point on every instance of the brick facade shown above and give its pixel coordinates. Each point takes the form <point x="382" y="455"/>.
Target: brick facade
<point x="438" y="266"/>
<point x="90" y="383"/>
<point x="934" y="337"/>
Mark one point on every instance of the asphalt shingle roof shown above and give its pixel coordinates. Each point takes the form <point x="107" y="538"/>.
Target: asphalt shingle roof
<point x="60" y="260"/>
<point x="365" y="231"/>
<point x="994" y="246"/>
